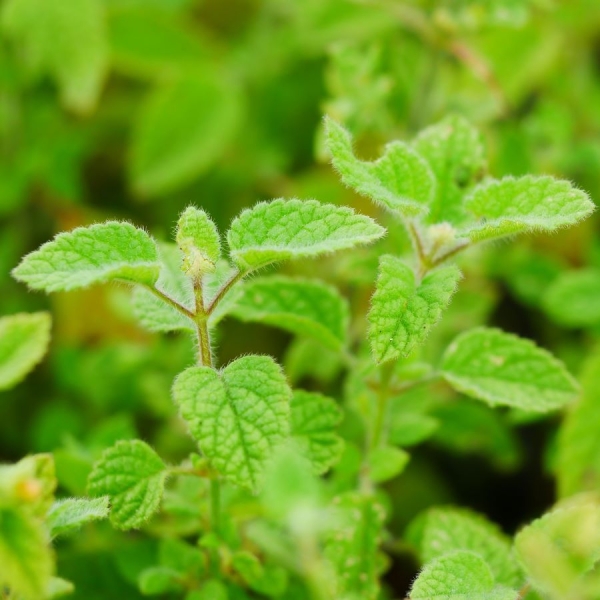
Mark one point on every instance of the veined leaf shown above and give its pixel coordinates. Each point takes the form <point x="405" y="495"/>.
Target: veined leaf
<point x="238" y="416"/>
<point x="70" y="514"/>
<point x="300" y="306"/>
<point x="403" y="311"/>
<point x="24" y="340"/>
<point x="503" y="369"/>
<point x="400" y="180"/>
<point x="524" y="204"/>
<point x="313" y="423"/>
<point x="133" y="476"/>
<point x="89" y="255"/>
<point x="285" y="229"/>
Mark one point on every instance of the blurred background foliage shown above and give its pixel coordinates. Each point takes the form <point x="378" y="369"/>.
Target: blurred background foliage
<point x="133" y="109"/>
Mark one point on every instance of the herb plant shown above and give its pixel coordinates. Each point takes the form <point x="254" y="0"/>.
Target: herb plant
<point x="248" y="514"/>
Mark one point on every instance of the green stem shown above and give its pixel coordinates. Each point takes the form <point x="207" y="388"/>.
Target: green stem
<point x="237" y="276"/>
<point x="166" y="298"/>
<point x="387" y="371"/>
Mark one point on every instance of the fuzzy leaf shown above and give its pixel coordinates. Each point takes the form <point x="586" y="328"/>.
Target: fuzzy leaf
<point x="403" y="311"/>
<point x="300" y="306"/>
<point x="503" y="369"/>
<point x="524" y="204"/>
<point x="24" y="340"/>
<point x="455" y="153"/>
<point x="460" y="575"/>
<point x="439" y="531"/>
<point x="400" y="180"/>
<point x="133" y="476"/>
<point x="198" y="239"/>
<point x="285" y="229"/>
<point x="313" y="422"/>
<point x="88" y="255"/>
<point x="70" y="514"/>
<point x="353" y="546"/>
<point x="238" y="415"/>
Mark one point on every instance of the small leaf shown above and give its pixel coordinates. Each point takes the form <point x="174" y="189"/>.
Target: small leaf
<point x="400" y="180"/>
<point x="313" y="422"/>
<point x="503" y="369"/>
<point x="154" y="581"/>
<point x="70" y="514"/>
<point x="24" y="340"/>
<point x="89" y="255"/>
<point x="459" y="575"/>
<point x="524" y="204"/>
<point x="58" y="587"/>
<point x="285" y="229"/>
<point x="403" y="311"/>
<point x="300" y="306"/>
<point x="238" y="416"/>
<point x="199" y="241"/>
<point x="133" y="476"/>
<point x="387" y="462"/>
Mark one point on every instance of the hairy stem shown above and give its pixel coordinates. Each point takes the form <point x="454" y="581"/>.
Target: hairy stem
<point x="237" y="276"/>
<point x="166" y="298"/>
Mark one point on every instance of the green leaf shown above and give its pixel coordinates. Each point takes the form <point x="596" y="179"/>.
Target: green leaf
<point x="183" y="128"/>
<point x="571" y="300"/>
<point x="268" y="581"/>
<point x="400" y="180"/>
<point x="285" y="229"/>
<point x="238" y="416"/>
<point x="313" y="422"/>
<point x="159" y="580"/>
<point x="133" y="476"/>
<point x="439" y="531"/>
<point x="403" y="310"/>
<point x="300" y="306"/>
<point x="198" y="239"/>
<point x="524" y="204"/>
<point x="59" y="587"/>
<point x="67" y="41"/>
<point x="70" y="514"/>
<point x="25" y="554"/>
<point x="89" y="255"/>
<point x="454" y="150"/>
<point x="460" y="575"/>
<point x="387" y="462"/>
<point x="503" y="369"/>
<point x="353" y="546"/>
<point x="24" y="339"/>
<point x="560" y="547"/>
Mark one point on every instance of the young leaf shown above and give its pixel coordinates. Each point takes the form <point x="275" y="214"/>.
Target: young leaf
<point x="285" y="229"/>
<point x="198" y="239"/>
<point x="524" y="204"/>
<point x="387" y="462"/>
<point x="300" y="306"/>
<point x="442" y="530"/>
<point x="454" y="150"/>
<point x="459" y="575"/>
<point x="133" y="476"/>
<point x="353" y="546"/>
<point x="70" y="514"/>
<point x="503" y="369"/>
<point x="400" y="180"/>
<point x="313" y="421"/>
<point x="238" y="416"/>
<point x="89" y="255"/>
<point x="59" y="587"/>
<point x="24" y="340"/>
<point x="403" y="311"/>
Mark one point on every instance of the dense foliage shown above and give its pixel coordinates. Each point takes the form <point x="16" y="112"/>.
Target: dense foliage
<point x="336" y="354"/>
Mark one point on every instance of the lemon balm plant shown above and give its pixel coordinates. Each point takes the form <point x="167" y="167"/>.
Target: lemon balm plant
<point x="260" y="521"/>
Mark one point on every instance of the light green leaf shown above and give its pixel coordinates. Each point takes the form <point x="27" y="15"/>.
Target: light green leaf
<point x="400" y="180"/>
<point x="24" y="340"/>
<point x="25" y="555"/>
<point x="59" y="587"/>
<point x="133" y="476"/>
<point x="67" y="41"/>
<point x="524" y="204"/>
<point x="238" y="416"/>
<point x="387" y="462"/>
<point x="572" y="299"/>
<point x="154" y="581"/>
<point x="183" y="128"/>
<point x="503" y="369"/>
<point x="403" y="310"/>
<point x="300" y="306"/>
<point x="459" y="575"/>
<point x="313" y="422"/>
<point x="454" y="150"/>
<point x="198" y="239"/>
<point x="285" y="229"/>
<point x="439" y="531"/>
<point x="70" y="514"/>
<point x="88" y="255"/>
